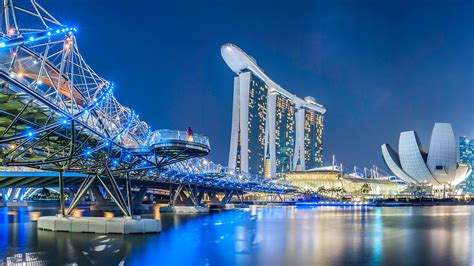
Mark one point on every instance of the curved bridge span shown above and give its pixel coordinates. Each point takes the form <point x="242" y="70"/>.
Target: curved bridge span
<point x="59" y="116"/>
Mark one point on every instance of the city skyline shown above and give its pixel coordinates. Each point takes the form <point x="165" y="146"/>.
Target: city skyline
<point x="400" y="77"/>
<point x="110" y="110"/>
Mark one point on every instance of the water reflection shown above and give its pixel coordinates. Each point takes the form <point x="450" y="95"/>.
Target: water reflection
<point x="156" y="211"/>
<point x="109" y="215"/>
<point x="257" y="236"/>
<point x="34" y="216"/>
<point x="85" y="248"/>
<point x="28" y="258"/>
<point x="77" y="213"/>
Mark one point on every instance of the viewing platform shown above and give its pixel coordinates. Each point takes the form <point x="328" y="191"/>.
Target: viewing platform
<point x="178" y="144"/>
<point x="164" y="141"/>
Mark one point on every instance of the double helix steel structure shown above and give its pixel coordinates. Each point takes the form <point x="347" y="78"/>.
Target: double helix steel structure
<point x="57" y="114"/>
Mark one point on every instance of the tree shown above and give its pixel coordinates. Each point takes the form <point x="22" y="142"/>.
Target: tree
<point x="365" y="189"/>
<point x="321" y="190"/>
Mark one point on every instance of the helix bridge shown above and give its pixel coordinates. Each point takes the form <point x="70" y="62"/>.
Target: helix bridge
<point x="58" y="115"/>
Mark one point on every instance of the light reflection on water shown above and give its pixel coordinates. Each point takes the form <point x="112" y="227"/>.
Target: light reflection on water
<point x="34" y="216"/>
<point x="109" y="215"/>
<point x="77" y="213"/>
<point x="156" y="211"/>
<point x="259" y="236"/>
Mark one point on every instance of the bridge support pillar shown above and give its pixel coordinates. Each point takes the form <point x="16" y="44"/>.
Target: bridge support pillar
<point x="215" y="202"/>
<point x="98" y="195"/>
<point x="114" y="192"/>
<point x="19" y="197"/>
<point x="138" y="196"/>
<point x="4" y="194"/>
<point x="128" y="188"/>
<point x="152" y="198"/>
<point x="61" y="193"/>
<point x="185" y="195"/>
<point x="14" y="197"/>
<point x="185" y="199"/>
<point x="71" y="192"/>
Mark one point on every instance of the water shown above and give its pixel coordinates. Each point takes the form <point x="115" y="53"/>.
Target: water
<point x="258" y="236"/>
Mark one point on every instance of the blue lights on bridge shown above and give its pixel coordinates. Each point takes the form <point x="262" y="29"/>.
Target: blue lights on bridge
<point x="17" y="39"/>
<point x="80" y="127"/>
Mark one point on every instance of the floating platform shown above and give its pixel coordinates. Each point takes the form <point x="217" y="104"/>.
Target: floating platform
<point x="99" y="225"/>
<point x="184" y="209"/>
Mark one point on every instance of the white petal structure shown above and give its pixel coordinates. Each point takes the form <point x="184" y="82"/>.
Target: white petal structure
<point x="442" y="157"/>
<point x="438" y="167"/>
<point x="393" y="162"/>
<point x="412" y="157"/>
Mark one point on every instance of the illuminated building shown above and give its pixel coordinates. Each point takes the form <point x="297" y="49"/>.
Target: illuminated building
<point x="438" y="168"/>
<point x="273" y="131"/>
<point x="284" y="134"/>
<point x="466" y="155"/>
<point x="331" y="180"/>
<point x="313" y="150"/>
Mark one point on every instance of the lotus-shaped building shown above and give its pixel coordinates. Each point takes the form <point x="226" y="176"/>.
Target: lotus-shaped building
<point x="436" y="167"/>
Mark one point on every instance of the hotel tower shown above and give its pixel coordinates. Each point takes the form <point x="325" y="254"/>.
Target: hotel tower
<point x="273" y="131"/>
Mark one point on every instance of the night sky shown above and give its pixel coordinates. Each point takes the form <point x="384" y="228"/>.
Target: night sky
<point x="378" y="68"/>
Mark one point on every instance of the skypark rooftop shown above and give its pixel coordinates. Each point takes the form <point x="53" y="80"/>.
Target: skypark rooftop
<point x="238" y="60"/>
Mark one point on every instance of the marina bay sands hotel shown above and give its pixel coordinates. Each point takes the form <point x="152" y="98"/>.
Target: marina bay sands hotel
<point x="273" y="130"/>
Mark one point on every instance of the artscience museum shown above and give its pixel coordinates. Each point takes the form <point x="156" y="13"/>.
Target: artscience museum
<point x="437" y="167"/>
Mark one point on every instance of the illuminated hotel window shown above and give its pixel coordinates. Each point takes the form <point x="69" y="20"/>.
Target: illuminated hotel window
<point x="284" y="133"/>
<point x="257" y="117"/>
<point x="313" y="143"/>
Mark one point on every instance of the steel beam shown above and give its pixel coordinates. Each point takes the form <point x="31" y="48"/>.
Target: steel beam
<point x="61" y="193"/>
<point x="128" y="187"/>
<point x="80" y="193"/>
<point x="122" y="208"/>
<point x="116" y="189"/>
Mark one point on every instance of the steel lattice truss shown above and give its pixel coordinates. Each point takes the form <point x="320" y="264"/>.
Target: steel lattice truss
<point x="201" y="172"/>
<point x="68" y="116"/>
<point x="57" y="114"/>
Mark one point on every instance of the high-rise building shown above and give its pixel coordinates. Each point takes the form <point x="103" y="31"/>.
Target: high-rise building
<point x="273" y="131"/>
<point x="313" y="133"/>
<point x="466" y="155"/>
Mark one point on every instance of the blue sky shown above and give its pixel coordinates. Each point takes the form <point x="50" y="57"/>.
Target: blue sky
<point x="379" y="67"/>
